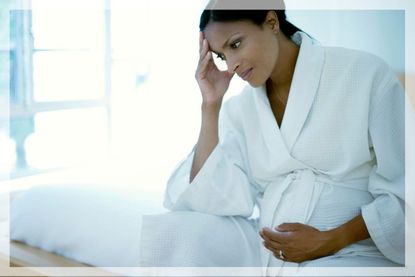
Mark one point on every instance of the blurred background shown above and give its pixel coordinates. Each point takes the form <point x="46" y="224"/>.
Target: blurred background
<point x="86" y="84"/>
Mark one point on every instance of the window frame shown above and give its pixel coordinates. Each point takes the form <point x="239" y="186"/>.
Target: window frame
<point x="22" y="105"/>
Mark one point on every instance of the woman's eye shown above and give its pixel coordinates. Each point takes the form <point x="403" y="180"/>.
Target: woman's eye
<point x="220" y="56"/>
<point x="236" y="44"/>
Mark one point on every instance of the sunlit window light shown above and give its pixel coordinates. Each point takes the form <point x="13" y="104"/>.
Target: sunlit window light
<point x="65" y="75"/>
<point x="67" y="138"/>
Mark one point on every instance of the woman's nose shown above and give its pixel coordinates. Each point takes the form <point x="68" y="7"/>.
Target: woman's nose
<point x="232" y="66"/>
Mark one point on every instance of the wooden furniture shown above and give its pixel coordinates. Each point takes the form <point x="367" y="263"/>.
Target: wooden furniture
<point x="25" y="260"/>
<point x="22" y="255"/>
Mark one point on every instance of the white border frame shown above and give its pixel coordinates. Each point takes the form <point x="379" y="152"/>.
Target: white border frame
<point x="408" y="270"/>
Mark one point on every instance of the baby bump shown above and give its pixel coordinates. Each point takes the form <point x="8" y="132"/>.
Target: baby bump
<point x="337" y="205"/>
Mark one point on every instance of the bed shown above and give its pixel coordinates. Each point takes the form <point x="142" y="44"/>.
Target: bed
<point x="84" y="207"/>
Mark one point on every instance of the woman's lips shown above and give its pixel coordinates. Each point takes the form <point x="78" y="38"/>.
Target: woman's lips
<point x="246" y="74"/>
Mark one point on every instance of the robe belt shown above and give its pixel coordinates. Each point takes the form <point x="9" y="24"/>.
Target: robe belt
<point x="306" y="187"/>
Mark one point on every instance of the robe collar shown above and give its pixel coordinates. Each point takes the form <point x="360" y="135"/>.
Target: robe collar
<point x="304" y="85"/>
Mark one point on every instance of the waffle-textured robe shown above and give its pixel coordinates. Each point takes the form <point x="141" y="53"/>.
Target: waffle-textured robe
<point x="339" y="152"/>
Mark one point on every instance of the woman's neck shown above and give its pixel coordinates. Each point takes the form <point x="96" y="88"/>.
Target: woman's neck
<point x="281" y="77"/>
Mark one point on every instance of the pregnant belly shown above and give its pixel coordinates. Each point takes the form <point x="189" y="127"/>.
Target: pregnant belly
<point x="337" y="205"/>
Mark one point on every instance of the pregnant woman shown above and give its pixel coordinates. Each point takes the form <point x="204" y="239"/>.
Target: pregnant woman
<point x="315" y="140"/>
<point x="303" y="168"/>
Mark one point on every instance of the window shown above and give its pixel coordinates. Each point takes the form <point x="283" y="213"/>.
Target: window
<point x="7" y="46"/>
<point x="82" y="78"/>
<point x="57" y="68"/>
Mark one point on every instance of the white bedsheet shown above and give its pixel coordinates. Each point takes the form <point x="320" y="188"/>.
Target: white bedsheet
<point x="90" y="214"/>
<point x="100" y="227"/>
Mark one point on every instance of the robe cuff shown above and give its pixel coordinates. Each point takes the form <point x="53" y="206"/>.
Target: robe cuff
<point x="179" y="188"/>
<point x="373" y="224"/>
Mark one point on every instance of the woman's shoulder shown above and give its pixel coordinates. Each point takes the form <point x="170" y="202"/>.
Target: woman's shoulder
<point x="357" y="65"/>
<point x="339" y="56"/>
<point x="362" y="70"/>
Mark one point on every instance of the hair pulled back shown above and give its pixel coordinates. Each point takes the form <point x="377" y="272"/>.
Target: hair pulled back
<point x="256" y="16"/>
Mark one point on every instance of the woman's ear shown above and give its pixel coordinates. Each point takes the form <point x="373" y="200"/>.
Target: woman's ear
<point x="272" y="21"/>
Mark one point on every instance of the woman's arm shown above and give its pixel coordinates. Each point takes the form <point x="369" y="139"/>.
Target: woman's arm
<point x="213" y="85"/>
<point x="300" y="242"/>
<point x="348" y="233"/>
<point x="208" y="137"/>
<point x="212" y="180"/>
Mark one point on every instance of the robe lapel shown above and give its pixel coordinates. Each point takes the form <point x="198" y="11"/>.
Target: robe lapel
<point x="274" y="157"/>
<point x="303" y="89"/>
<point x="270" y="155"/>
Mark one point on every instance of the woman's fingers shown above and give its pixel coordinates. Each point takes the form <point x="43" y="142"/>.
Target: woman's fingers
<point x="274" y="247"/>
<point x="203" y="59"/>
<point x="269" y="246"/>
<point x="203" y="44"/>
<point x="205" y="49"/>
<point x="273" y="244"/>
<point x="267" y="235"/>
<point x="203" y="53"/>
<point x="204" y="63"/>
<point x="201" y="38"/>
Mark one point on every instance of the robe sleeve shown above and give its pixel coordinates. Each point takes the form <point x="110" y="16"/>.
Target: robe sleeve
<point x="384" y="217"/>
<point x="221" y="187"/>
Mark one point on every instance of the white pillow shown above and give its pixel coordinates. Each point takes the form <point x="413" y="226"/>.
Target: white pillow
<point x="100" y="227"/>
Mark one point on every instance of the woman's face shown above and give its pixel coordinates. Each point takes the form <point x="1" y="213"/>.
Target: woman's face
<point x="249" y="50"/>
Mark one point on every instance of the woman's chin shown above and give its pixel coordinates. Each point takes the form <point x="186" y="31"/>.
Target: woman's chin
<point x="255" y="84"/>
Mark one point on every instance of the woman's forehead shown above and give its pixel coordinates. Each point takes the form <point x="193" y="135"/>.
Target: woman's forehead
<point x="228" y="26"/>
<point x="217" y="33"/>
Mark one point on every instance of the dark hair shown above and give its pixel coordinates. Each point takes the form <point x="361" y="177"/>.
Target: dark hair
<point x="256" y="16"/>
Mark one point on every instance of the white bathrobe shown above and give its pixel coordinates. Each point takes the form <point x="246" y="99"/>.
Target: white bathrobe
<point x="338" y="153"/>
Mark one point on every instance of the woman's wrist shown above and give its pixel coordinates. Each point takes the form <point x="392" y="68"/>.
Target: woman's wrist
<point x="346" y="234"/>
<point x="335" y="240"/>
<point x="211" y="107"/>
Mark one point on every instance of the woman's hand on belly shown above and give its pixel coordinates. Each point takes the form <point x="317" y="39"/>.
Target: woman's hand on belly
<point x="296" y="242"/>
